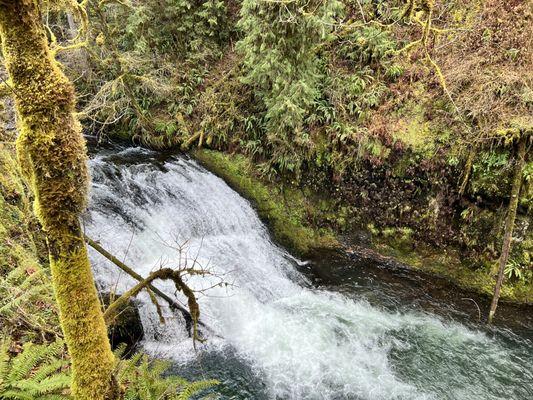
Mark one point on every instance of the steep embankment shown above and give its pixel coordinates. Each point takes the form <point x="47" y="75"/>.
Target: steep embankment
<point x="401" y="118"/>
<point x="411" y="138"/>
<point x="305" y="220"/>
<point x="27" y="307"/>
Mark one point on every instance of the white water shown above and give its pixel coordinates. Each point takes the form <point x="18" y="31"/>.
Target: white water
<point x="302" y="343"/>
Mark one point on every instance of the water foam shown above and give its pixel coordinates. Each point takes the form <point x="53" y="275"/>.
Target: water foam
<point x="302" y="342"/>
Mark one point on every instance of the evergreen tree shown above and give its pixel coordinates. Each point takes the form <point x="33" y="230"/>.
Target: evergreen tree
<point x="280" y="62"/>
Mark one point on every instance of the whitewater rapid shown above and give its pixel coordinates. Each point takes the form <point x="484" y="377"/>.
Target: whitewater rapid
<point x="300" y="342"/>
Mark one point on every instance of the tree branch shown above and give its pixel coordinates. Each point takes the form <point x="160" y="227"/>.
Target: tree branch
<point x="172" y="303"/>
<point x="163" y="274"/>
<point x="111" y="312"/>
<point x="57" y="49"/>
<point x="191" y="140"/>
<point x="519" y="162"/>
<point x="5" y="89"/>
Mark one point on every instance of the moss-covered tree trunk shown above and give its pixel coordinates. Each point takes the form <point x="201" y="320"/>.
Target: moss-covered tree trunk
<point x="509" y="222"/>
<point x="52" y="154"/>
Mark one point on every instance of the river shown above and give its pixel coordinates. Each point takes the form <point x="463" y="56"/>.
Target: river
<point x="283" y="328"/>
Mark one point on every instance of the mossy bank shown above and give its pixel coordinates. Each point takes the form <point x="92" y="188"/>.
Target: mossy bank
<point x="306" y="220"/>
<point x="386" y="116"/>
<point x="291" y="213"/>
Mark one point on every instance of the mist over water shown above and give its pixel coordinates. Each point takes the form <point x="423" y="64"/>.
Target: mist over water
<point x="277" y="335"/>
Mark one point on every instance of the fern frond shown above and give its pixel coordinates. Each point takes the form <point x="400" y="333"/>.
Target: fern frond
<point x="27" y="386"/>
<point x="53" y="397"/>
<point x="54" y="384"/>
<point x="16" y="395"/>
<point x="26" y="300"/>
<point x="119" y="351"/>
<point x="4" y="360"/>
<point x="25" y="362"/>
<point x="37" y="373"/>
<point x="49" y="369"/>
<point x="15" y="274"/>
<point x="143" y="380"/>
<point x="194" y="388"/>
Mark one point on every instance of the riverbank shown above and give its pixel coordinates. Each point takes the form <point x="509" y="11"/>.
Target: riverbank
<point x="306" y="221"/>
<point x="393" y="143"/>
<point x="279" y="327"/>
<point x="294" y="216"/>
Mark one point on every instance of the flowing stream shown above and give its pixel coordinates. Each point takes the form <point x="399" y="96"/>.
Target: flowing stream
<point x="278" y="334"/>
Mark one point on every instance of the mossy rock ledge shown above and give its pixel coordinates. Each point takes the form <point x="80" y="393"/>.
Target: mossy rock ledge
<point x="287" y="211"/>
<point x="296" y="218"/>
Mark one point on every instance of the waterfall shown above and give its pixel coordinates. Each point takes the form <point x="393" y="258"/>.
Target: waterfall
<point x="271" y="324"/>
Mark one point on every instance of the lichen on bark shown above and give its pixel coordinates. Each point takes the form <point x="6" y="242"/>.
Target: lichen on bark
<point x="52" y="154"/>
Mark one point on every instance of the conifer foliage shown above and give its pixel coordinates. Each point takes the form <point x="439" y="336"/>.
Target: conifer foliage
<point x="280" y="62"/>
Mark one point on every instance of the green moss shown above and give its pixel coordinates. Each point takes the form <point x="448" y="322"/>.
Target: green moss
<point x="17" y="243"/>
<point x="288" y="211"/>
<point x="416" y="134"/>
<point x="75" y="292"/>
<point x="27" y="308"/>
<point x="449" y="264"/>
<point x="52" y="153"/>
<point x="415" y="126"/>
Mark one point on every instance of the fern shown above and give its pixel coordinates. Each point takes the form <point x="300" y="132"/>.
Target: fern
<point x="144" y="380"/>
<point x="514" y="269"/>
<point x="194" y="388"/>
<point x="26" y="301"/>
<point x="37" y="373"/>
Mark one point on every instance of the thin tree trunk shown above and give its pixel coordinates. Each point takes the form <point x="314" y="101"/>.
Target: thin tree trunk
<point x="72" y="26"/>
<point x="52" y="154"/>
<point x="509" y="223"/>
<point x="467" y="170"/>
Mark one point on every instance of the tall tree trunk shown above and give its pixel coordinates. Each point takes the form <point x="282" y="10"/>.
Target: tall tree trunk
<point x="52" y="154"/>
<point x="509" y="222"/>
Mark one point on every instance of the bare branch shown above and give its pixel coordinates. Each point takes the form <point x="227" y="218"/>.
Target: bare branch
<point x="163" y="274"/>
<point x="5" y="89"/>
<point x="57" y="49"/>
<point x="174" y="305"/>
